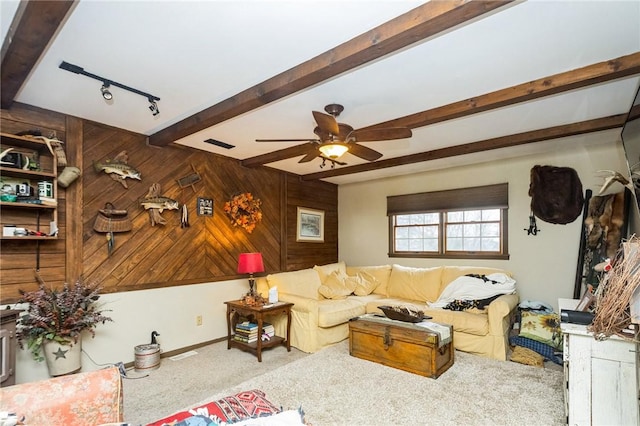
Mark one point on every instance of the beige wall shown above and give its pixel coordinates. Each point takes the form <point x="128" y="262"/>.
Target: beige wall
<point x="544" y="265"/>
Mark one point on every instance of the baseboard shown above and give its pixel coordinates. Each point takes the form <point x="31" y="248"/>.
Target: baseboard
<point x="182" y="350"/>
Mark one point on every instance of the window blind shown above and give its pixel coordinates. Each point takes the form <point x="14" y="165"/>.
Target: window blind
<point x="478" y="197"/>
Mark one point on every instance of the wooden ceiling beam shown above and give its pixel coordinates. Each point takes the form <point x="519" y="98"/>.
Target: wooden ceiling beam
<point x="573" y="129"/>
<point x="600" y="72"/>
<point x="33" y="26"/>
<point x="270" y="157"/>
<point x="418" y="24"/>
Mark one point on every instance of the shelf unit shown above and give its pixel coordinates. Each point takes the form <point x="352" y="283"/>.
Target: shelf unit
<point x="35" y="217"/>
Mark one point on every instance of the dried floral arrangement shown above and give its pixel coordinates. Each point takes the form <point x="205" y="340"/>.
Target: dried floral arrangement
<point x="59" y="315"/>
<point x="244" y="211"/>
<point x="613" y="296"/>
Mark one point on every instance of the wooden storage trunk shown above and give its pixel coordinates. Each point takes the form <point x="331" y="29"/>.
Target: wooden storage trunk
<point x="404" y="346"/>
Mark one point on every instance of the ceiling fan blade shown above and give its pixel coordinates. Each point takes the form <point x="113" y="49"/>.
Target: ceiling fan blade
<point x="314" y="152"/>
<point x="364" y="152"/>
<point x="387" y="134"/>
<point x="326" y="122"/>
<point x="287" y="140"/>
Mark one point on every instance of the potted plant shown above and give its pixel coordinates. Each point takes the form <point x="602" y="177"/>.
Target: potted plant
<point x="54" y="320"/>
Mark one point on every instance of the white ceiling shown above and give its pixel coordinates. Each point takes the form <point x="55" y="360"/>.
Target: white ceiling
<point x="194" y="54"/>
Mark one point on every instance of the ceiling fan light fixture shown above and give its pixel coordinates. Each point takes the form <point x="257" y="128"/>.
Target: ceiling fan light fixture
<point x="333" y="150"/>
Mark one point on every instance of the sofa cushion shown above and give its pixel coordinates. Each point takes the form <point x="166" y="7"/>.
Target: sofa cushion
<point x="304" y="282"/>
<point x="465" y="322"/>
<point x="462" y="321"/>
<point x="337" y="286"/>
<point x="325" y="270"/>
<point x="450" y="273"/>
<point x="380" y="273"/>
<point x="336" y="312"/>
<point x="363" y="283"/>
<point x="420" y="284"/>
<point x="87" y="398"/>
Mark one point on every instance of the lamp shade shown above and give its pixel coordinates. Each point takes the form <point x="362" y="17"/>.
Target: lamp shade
<point x="333" y="150"/>
<point x="248" y="263"/>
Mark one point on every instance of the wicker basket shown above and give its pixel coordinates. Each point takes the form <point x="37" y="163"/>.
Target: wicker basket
<point x="111" y="219"/>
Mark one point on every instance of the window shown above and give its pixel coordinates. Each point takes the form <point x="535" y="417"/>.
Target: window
<point x="460" y="223"/>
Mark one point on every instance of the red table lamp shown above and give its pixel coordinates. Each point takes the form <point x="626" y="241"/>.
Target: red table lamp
<point x="248" y="263"/>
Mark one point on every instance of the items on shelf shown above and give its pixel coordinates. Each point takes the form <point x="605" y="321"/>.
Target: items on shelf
<point x="247" y="332"/>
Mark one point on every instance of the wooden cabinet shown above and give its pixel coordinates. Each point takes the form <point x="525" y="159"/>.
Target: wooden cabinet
<point x="601" y="378"/>
<point x="35" y="213"/>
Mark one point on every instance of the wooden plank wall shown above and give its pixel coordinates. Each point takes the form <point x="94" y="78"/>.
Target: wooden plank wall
<point x="161" y="256"/>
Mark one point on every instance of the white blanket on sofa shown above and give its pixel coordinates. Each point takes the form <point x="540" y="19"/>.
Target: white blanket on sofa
<point x="471" y="288"/>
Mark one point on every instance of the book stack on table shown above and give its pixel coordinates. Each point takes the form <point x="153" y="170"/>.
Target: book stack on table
<point x="247" y="332"/>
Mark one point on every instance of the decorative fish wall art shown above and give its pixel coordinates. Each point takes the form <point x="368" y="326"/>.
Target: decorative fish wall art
<point x="118" y="169"/>
<point x="155" y="204"/>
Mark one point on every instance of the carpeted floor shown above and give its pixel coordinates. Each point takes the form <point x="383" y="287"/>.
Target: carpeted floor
<point x="334" y="388"/>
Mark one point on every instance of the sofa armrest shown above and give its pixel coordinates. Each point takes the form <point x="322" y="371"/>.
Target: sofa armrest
<point x="498" y="313"/>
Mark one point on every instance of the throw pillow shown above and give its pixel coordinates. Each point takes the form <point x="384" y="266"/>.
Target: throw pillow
<point x="380" y="273"/>
<point x="544" y="328"/>
<point x="337" y="286"/>
<point x="325" y="270"/>
<point x="527" y="357"/>
<point x="364" y="283"/>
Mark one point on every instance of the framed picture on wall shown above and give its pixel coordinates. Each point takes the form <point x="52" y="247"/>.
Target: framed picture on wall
<point x="205" y="206"/>
<point x="310" y="225"/>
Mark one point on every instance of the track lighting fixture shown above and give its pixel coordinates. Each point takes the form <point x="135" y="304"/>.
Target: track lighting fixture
<point x="106" y="83"/>
<point x="153" y="107"/>
<point x="105" y="91"/>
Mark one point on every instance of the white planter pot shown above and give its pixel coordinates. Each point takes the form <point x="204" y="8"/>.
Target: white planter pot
<point x="62" y="359"/>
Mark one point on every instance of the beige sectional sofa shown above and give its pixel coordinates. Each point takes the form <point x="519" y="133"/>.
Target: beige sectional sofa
<point x="318" y="321"/>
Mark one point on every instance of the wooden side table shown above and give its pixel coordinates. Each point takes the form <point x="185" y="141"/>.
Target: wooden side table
<point x="237" y="309"/>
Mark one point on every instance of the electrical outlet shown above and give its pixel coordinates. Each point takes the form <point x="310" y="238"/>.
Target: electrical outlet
<point x="199" y="320"/>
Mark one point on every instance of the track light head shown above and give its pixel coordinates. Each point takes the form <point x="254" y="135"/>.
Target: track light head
<point x="153" y="107"/>
<point x="106" y="94"/>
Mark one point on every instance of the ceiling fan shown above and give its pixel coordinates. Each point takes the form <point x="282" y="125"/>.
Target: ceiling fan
<point x="335" y="139"/>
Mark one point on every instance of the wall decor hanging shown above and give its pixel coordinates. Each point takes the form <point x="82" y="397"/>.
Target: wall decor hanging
<point x="310" y="225"/>
<point x="111" y="220"/>
<point x="190" y="179"/>
<point x="118" y="169"/>
<point x="244" y="211"/>
<point x="556" y="194"/>
<point x="205" y="206"/>
<point x="155" y="204"/>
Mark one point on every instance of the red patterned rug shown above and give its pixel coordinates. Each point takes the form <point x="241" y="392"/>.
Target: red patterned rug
<point x="230" y="409"/>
